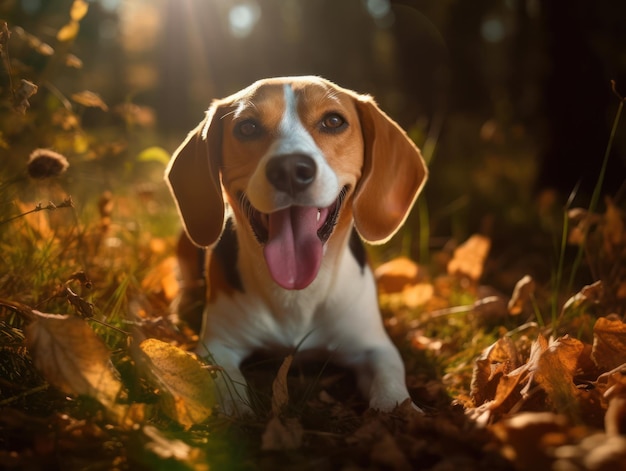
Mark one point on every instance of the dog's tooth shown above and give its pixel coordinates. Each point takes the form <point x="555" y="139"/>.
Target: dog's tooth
<point x="319" y="214"/>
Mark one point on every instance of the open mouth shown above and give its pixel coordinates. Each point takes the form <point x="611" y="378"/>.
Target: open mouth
<point x="325" y="221"/>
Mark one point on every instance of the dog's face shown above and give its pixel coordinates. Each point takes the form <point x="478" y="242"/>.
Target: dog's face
<point x="290" y="144"/>
<point x="297" y="159"/>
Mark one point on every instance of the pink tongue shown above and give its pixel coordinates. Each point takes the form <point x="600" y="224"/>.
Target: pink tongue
<point x="293" y="251"/>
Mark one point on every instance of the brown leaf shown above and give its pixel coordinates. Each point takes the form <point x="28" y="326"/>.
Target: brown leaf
<point x="555" y="374"/>
<point x="497" y="360"/>
<point x="34" y="42"/>
<point x="581" y="222"/>
<point x="613" y="230"/>
<point x="282" y="434"/>
<point x="162" y="279"/>
<point x="90" y="99"/>
<point x="280" y="392"/>
<point x="595" y="452"/>
<point x="73" y="358"/>
<point x="73" y="61"/>
<point x="22" y="95"/>
<point x="523" y="438"/>
<point x="522" y="295"/>
<point x="589" y="294"/>
<point x="609" y="343"/>
<point x="388" y="455"/>
<point x="395" y="275"/>
<point x="469" y="257"/>
<point x="186" y="389"/>
<point x="417" y="295"/>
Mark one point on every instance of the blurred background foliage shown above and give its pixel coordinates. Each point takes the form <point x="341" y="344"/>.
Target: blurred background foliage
<point x="509" y="99"/>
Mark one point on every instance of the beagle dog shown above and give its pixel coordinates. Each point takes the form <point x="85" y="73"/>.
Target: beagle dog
<point x="276" y="188"/>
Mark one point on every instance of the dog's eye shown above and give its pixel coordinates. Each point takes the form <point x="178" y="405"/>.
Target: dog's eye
<point x="333" y="122"/>
<point x="247" y="129"/>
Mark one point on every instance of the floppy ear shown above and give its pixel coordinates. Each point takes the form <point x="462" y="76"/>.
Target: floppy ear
<point x="193" y="177"/>
<point x="394" y="173"/>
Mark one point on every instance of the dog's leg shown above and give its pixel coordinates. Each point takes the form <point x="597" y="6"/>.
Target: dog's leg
<point x="362" y="344"/>
<point x="381" y="376"/>
<point x="189" y="304"/>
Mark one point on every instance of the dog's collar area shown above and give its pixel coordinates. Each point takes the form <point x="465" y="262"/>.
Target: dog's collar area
<point x="326" y="217"/>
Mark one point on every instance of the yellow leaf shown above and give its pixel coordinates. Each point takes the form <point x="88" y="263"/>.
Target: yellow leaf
<point x="417" y="295"/>
<point x="79" y="10"/>
<point x="394" y="275"/>
<point x="68" y="32"/>
<point x="154" y="154"/>
<point x="469" y="257"/>
<point x="36" y="221"/>
<point x="163" y="279"/>
<point x="73" y="358"/>
<point x="186" y="388"/>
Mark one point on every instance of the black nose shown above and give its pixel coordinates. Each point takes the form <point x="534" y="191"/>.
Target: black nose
<point x="291" y="173"/>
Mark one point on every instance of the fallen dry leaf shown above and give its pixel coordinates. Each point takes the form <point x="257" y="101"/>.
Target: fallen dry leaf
<point x="68" y="32"/>
<point x="37" y="221"/>
<point x="609" y="343"/>
<point x="394" y="275"/>
<point x="280" y="393"/>
<point x="524" y="436"/>
<point x="186" y="389"/>
<point x="469" y="257"/>
<point x="554" y="372"/>
<point x="79" y="9"/>
<point x="596" y="452"/>
<point x="522" y="295"/>
<point x="498" y="359"/>
<point x="165" y="447"/>
<point x="162" y="279"/>
<point x="387" y="454"/>
<point x="73" y="358"/>
<point x="22" y="94"/>
<point x="497" y="387"/>
<point x="282" y="434"/>
<point x="589" y="294"/>
<point x="615" y="393"/>
<point x="90" y="100"/>
<point x="613" y="230"/>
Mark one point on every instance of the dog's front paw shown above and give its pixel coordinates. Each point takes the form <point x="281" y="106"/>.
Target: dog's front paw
<point x="388" y="403"/>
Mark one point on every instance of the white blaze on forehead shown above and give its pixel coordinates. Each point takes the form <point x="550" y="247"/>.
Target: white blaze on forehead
<point x="293" y="138"/>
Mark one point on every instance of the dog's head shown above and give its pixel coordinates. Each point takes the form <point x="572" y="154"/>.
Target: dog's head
<point x="297" y="159"/>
